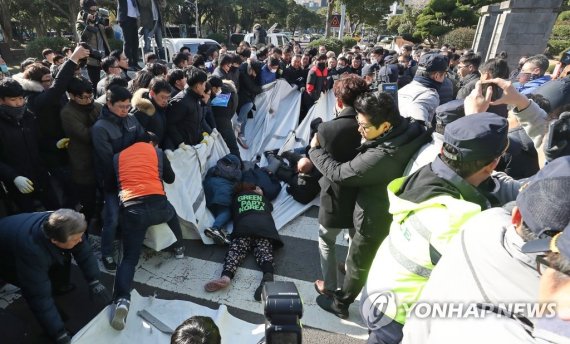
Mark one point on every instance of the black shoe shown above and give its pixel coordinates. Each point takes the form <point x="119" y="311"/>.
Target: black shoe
<point x="267" y="277"/>
<point x="217" y="235"/>
<point x="328" y="304"/>
<point x="109" y="263"/>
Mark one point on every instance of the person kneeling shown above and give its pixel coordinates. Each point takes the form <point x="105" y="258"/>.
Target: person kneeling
<point x="255" y="229"/>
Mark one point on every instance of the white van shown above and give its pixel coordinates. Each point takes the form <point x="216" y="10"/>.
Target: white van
<point x="277" y="39"/>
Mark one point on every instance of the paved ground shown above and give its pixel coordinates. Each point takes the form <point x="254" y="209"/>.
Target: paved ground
<point x="168" y="278"/>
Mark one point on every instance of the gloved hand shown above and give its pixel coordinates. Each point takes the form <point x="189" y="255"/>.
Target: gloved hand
<point x="184" y="146"/>
<point x="63" y="143"/>
<point x="98" y="293"/>
<point x="169" y="154"/>
<point x="204" y="142"/>
<point x="24" y="185"/>
<point x="205" y="134"/>
<point x="63" y="338"/>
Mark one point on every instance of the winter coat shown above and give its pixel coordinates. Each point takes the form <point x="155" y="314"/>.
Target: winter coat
<point x="183" y="118"/>
<point x="446" y="91"/>
<point x="19" y="150"/>
<point x="27" y="255"/>
<point x="532" y="85"/>
<point x="266" y="76"/>
<point x="110" y="135"/>
<point x="378" y="162"/>
<point x="466" y="273"/>
<point x="317" y="82"/>
<point x="297" y="77"/>
<point x="77" y="121"/>
<point x="521" y="158"/>
<point x="252" y="218"/>
<point x="467" y="84"/>
<point x="418" y="101"/>
<point x="149" y="114"/>
<point x="249" y="88"/>
<point x="556" y="91"/>
<point x="340" y="138"/>
<point x="46" y="106"/>
<point x="218" y="190"/>
<point x="259" y="37"/>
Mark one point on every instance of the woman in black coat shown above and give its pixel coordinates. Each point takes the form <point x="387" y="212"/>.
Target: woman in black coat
<point x="255" y="229"/>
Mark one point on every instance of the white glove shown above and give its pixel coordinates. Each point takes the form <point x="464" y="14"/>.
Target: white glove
<point x="63" y="143"/>
<point x="24" y="185"/>
<point x="169" y="154"/>
<point x="184" y="146"/>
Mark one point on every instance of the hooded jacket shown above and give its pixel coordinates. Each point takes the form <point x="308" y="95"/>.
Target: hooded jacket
<point x="149" y="114"/>
<point x="418" y="101"/>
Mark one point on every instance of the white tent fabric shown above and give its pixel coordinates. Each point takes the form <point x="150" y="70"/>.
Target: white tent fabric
<point x="274" y="126"/>
<point x="170" y="312"/>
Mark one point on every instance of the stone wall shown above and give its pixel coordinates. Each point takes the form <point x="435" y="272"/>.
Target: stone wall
<point x="519" y="27"/>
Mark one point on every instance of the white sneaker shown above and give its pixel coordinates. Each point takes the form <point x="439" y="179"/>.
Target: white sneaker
<point x="120" y="317"/>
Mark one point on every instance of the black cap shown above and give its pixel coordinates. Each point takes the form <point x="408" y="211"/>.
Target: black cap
<point x="433" y="62"/>
<point x="477" y="137"/>
<point x="559" y="243"/>
<point x="449" y="112"/>
<point x="543" y="200"/>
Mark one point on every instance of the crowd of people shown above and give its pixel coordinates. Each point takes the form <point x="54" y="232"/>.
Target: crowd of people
<point x="467" y="161"/>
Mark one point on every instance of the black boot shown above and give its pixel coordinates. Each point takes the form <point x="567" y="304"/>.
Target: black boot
<point x="267" y="277"/>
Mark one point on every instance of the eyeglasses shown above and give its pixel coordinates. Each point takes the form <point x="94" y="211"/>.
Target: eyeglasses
<point x="364" y="125"/>
<point x="87" y="97"/>
<point x="123" y="107"/>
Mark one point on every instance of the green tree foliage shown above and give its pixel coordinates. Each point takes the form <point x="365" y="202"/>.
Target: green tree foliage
<point x="441" y="16"/>
<point x="461" y="38"/>
<point x="479" y="3"/>
<point x="330" y="43"/>
<point x="560" y="37"/>
<point x="34" y="48"/>
<point x="367" y="12"/>
<point x="300" y="17"/>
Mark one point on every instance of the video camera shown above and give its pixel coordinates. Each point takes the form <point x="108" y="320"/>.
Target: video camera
<point x="102" y="17"/>
<point x="283" y="309"/>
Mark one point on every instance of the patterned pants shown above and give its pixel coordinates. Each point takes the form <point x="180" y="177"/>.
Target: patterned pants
<point x="240" y="247"/>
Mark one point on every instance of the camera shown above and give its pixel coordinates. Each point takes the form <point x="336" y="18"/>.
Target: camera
<point x="283" y="309"/>
<point x="96" y="54"/>
<point x="102" y="17"/>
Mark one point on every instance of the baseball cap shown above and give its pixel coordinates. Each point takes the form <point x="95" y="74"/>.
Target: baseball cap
<point x="544" y="203"/>
<point x="433" y="62"/>
<point x="450" y="111"/>
<point x="560" y="243"/>
<point x="476" y="137"/>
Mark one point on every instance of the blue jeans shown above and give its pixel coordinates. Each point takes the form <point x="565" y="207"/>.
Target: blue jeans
<point x="222" y="214"/>
<point x="135" y="220"/>
<point x="110" y="222"/>
<point x="242" y="116"/>
<point x="157" y="38"/>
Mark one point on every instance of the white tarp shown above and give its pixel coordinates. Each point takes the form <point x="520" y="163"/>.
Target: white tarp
<point x="274" y="126"/>
<point x="170" y="312"/>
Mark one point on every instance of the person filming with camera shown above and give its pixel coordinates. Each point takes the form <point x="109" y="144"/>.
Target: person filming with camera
<point x="92" y="28"/>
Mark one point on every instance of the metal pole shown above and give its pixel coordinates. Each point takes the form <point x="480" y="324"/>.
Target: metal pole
<point x="342" y="21"/>
<point x="197" y="19"/>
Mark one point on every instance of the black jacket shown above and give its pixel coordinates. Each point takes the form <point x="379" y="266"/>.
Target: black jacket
<point x="149" y="114"/>
<point x="110" y="135"/>
<point x="340" y="138"/>
<point x="248" y="89"/>
<point x="521" y="159"/>
<point x="252" y="217"/>
<point x="46" y="106"/>
<point x="226" y="111"/>
<point x="378" y="163"/>
<point x="296" y="76"/>
<point x="183" y="118"/>
<point x="27" y="255"/>
<point x="19" y="150"/>
<point x="467" y="84"/>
